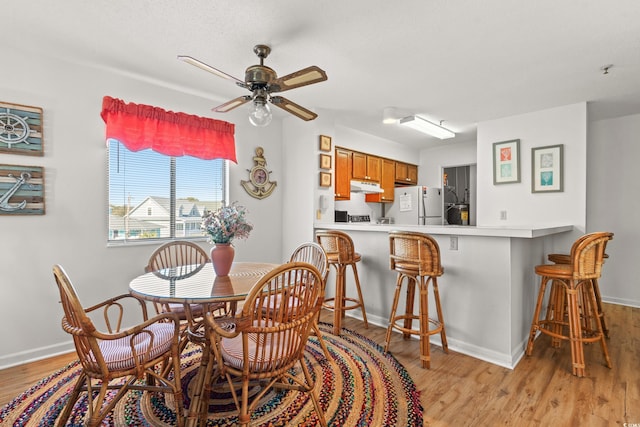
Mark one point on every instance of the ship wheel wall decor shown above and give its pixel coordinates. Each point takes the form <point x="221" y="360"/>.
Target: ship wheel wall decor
<point x="20" y="129"/>
<point x="259" y="184"/>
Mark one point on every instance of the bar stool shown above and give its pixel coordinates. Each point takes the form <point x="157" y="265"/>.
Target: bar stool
<point x="340" y="253"/>
<point x="572" y="300"/>
<point x="416" y="258"/>
<point x="566" y="259"/>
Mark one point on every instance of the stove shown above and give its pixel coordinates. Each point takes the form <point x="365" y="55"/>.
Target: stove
<point x="359" y="218"/>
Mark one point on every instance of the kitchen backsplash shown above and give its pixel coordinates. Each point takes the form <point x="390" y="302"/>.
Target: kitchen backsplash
<point x="357" y="206"/>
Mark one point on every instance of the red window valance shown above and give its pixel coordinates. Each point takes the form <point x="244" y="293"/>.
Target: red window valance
<point x="140" y="126"/>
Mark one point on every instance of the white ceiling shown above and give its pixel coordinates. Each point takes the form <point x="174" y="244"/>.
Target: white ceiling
<point x="461" y="61"/>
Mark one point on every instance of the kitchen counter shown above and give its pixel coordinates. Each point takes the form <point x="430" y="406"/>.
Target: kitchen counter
<point x="488" y="289"/>
<point x="527" y="232"/>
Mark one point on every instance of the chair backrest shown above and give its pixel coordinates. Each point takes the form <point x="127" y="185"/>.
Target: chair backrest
<point x="79" y="325"/>
<point x="414" y="251"/>
<point x="587" y="255"/>
<point x="175" y="254"/>
<point x="277" y="316"/>
<point x="337" y="245"/>
<point x="312" y="253"/>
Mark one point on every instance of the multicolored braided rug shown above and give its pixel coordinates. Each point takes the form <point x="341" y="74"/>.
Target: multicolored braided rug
<point x="361" y="386"/>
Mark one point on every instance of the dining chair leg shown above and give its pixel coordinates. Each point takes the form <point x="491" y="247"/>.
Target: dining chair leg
<point x="66" y="412"/>
<point x="314" y="397"/>
<point x="323" y="345"/>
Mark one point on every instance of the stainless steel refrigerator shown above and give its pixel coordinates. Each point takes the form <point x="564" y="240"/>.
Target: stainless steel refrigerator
<point x="416" y="205"/>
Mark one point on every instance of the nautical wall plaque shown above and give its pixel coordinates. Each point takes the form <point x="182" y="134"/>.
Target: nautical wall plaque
<point x="21" y="129"/>
<point x="258" y="184"/>
<point x="21" y="190"/>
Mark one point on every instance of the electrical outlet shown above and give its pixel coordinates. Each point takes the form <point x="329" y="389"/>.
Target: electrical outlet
<point x="503" y="215"/>
<point x="453" y="243"/>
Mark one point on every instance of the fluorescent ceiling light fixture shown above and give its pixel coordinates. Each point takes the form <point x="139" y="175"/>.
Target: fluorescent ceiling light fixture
<point x="425" y="126"/>
<point x="389" y="115"/>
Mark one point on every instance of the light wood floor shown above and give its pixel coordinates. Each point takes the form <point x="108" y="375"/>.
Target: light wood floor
<point x="462" y="391"/>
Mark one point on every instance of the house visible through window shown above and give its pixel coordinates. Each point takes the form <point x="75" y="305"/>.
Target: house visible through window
<point x="154" y="196"/>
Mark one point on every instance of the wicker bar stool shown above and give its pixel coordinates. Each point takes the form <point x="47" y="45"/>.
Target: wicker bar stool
<point x="416" y="258"/>
<point x="572" y="301"/>
<point x="340" y="254"/>
<point x="566" y="259"/>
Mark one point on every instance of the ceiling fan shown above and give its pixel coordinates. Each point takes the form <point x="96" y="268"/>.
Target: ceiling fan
<point x="262" y="81"/>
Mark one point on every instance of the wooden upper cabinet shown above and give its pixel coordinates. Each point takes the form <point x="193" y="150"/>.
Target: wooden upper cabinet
<point x="366" y="167"/>
<point x="387" y="183"/>
<point x="406" y="173"/>
<point x="342" y="174"/>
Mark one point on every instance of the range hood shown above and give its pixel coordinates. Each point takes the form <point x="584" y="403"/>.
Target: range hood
<point x="365" y="187"/>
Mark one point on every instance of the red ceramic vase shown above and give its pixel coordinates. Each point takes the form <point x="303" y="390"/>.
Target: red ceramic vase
<point x="222" y="257"/>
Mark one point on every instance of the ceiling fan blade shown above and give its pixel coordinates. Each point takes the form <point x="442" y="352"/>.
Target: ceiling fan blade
<point x="306" y="76"/>
<point x="210" y="69"/>
<point x="293" y="108"/>
<point x="230" y="105"/>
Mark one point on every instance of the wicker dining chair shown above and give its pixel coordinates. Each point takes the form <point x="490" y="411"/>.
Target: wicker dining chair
<point x="143" y="356"/>
<point x="265" y="345"/>
<point x="178" y="259"/>
<point x="314" y="254"/>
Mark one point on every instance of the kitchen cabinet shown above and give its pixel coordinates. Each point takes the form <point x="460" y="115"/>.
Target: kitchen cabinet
<point x="366" y="167"/>
<point x="387" y="183"/>
<point x="342" y="174"/>
<point x="406" y="173"/>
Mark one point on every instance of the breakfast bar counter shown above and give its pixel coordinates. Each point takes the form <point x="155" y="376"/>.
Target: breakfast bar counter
<point x="488" y="289"/>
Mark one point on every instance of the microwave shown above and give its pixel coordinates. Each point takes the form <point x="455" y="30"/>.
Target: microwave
<point x="341" y="216"/>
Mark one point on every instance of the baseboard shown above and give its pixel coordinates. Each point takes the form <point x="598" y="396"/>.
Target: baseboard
<point x="493" y="357"/>
<point x="621" y="301"/>
<point x="36" y="354"/>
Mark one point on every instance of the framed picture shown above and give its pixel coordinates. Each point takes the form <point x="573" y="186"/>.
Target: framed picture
<point x="21" y="190"/>
<point x="325" y="161"/>
<point x="546" y="169"/>
<point x="325" y="179"/>
<point x="506" y="162"/>
<point x="21" y="129"/>
<point x="325" y="143"/>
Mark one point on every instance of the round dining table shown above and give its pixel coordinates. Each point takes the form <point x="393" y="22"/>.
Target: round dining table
<point x="199" y="284"/>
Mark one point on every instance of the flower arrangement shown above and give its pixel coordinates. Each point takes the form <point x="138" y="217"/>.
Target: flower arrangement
<point x="226" y="223"/>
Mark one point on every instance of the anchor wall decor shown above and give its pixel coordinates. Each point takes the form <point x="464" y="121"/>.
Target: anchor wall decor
<point x="258" y="184"/>
<point x="21" y="190"/>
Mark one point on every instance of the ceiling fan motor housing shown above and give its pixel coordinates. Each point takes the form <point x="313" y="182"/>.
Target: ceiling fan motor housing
<point x="259" y="76"/>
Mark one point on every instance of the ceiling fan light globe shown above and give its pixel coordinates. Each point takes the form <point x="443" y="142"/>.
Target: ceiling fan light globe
<point x="261" y="115"/>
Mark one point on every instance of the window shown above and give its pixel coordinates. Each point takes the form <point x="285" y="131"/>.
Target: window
<point x="154" y="196"/>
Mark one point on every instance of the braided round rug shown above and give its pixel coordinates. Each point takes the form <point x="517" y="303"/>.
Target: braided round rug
<point x="360" y="386"/>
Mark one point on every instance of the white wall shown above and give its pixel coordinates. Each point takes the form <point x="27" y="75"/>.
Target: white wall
<point x="74" y="230"/>
<point x="432" y="160"/>
<point x="613" y="203"/>
<point x="565" y="125"/>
